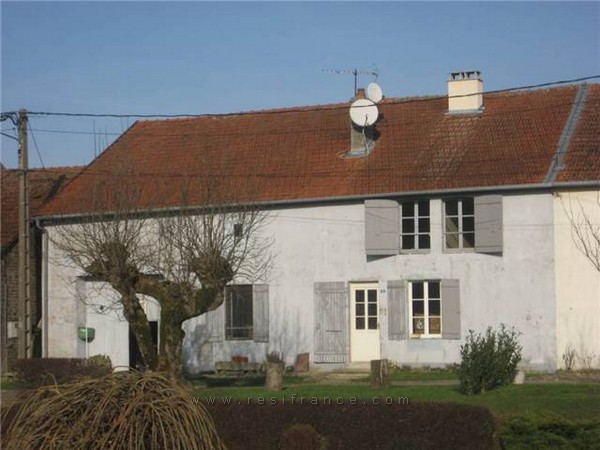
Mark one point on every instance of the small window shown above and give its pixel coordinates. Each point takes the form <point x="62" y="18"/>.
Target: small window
<point x="238" y="312"/>
<point x="459" y="223"/>
<point x="415" y="225"/>
<point x="425" y="308"/>
<point x="238" y="230"/>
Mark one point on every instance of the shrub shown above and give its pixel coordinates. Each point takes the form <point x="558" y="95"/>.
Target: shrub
<point x="423" y="426"/>
<point x="488" y="361"/>
<point x="301" y="436"/>
<point x="43" y="371"/>
<point x="537" y="431"/>
<point x="121" y="410"/>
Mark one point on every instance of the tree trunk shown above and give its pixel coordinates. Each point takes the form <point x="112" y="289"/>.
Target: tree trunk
<point x="139" y="326"/>
<point x="379" y="373"/>
<point x="171" y="343"/>
<point x="274" y="379"/>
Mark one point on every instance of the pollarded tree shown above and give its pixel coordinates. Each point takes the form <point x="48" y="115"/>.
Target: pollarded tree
<point x="183" y="257"/>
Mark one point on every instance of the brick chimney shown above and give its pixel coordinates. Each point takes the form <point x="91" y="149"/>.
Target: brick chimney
<point x="465" y="92"/>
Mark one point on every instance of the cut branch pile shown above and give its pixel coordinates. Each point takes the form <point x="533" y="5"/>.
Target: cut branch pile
<point x="121" y="410"/>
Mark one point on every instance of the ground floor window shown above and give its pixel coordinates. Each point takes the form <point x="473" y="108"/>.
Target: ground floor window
<point x="425" y="308"/>
<point x="238" y="312"/>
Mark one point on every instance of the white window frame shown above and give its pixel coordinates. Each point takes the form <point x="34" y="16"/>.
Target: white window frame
<point x="426" y="316"/>
<point x="461" y="217"/>
<point x="417" y="232"/>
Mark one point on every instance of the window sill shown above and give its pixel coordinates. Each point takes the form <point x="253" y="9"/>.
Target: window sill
<point x="425" y="336"/>
<point x="415" y="251"/>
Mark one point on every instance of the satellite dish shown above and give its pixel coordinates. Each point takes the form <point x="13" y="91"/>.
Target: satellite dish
<point x="363" y="112"/>
<point x="374" y="92"/>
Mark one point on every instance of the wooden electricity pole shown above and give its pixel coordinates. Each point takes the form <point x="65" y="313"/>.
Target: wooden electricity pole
<point x="25" y="332"/>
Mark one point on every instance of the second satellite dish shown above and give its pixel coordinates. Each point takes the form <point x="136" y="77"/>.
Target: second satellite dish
<point x="363" y="112"/>
<point x="374" y="92"/>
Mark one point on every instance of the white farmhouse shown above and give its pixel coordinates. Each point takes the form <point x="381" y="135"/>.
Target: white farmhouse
<point x="390" y="241"/>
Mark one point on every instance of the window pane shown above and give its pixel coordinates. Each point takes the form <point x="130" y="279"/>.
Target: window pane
<point x="418" y="326"/>
<point x="468" y="240"/>
<point x="434" y="307"/>
<point x="434" y="325"/>
<point x="467" y="207"/>
<point x="418" y="308"/>
<point x="360" y="309"/>
<point x="424" y="225"/>
<point x="424" y="208"/>
<point x="468" y="224"/>
<point x="408" y="209"/>
<point x="452" y="241"/>
<point x="372" y="323"/>
<point x="408" y="242"/>
<point x="417" y="290"/>
<point x="452" y="224"/>
<point x="360" y="323"/>
<point x="433" y="289"/>
<point x="424" y="241"/>
<point x="451" y="207"/>
<point x="372" y="295"/>
<point x="360" y="296"/>
<point x="373" y="309"/>
<point x="408" y="226"/>
<point x="238" y="312"/>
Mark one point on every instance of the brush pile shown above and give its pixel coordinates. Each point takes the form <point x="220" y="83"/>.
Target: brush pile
<point x="121" y="410"/>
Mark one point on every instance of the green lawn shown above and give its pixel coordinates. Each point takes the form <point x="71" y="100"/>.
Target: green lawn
<point x="418" y="375"/>
<point x="572" y="401"/>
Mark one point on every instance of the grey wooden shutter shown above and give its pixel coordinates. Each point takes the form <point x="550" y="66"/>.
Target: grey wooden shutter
<point x="331" y="323"/>
<point x="450" y="309"/>
<point x="216" y="324"/>
<point x="397" y="320"/>
<point x="382" y="227"/>
<point x="488" y="224"/>
<point x="260" y="312"/>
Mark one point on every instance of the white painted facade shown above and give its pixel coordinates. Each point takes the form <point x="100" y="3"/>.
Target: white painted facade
<point x="525" y="287"/>
<point x="577" y="281"/>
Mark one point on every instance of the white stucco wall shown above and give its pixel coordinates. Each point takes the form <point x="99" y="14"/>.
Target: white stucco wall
<point x="326" y="243"/>
<point x="577" y="280"/>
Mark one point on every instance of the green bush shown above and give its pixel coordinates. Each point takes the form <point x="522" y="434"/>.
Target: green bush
<point x="489" y="360"/>
<point x="541" y="432"/>
<point x="44" y="371"/>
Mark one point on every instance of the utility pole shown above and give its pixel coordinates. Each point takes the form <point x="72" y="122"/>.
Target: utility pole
<point x="25" y="332"/>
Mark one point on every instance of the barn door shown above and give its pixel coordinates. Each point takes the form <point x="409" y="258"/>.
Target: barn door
<point x="331" y="322"/>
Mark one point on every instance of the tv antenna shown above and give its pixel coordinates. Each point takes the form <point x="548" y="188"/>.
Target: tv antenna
<point x="356" y="73"/>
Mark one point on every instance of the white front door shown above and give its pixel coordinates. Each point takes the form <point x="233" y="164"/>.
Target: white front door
<point x="364" y="325"/>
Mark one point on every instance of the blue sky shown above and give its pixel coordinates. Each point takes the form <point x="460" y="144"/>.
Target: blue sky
<point x="208" y="57"/>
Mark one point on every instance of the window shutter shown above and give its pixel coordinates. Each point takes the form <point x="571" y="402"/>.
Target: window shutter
<point x="216" y="324"/>
<point x="488" y="224"/>
<point x="397" y="323"/>
<point x="450" y="309"/>
<point x="382" y="227"/>
<point x="260" y="312"/>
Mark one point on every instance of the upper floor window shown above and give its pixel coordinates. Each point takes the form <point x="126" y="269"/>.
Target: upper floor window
<point x="415" y="225"/>
<point x="459" y="219"/>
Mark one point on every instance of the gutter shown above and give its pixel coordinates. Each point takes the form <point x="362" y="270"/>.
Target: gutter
<point x="514" y="189"/>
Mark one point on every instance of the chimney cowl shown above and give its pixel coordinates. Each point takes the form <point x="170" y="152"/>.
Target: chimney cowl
<point x="465" y="91"/>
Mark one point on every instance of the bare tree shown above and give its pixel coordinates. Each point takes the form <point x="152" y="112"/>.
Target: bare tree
<point x="183" y="257"/>
<point x="585" y="233"/>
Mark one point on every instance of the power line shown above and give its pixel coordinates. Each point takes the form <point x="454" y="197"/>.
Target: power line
<point x="303" y="109"/>
<point x="37" y="149"/>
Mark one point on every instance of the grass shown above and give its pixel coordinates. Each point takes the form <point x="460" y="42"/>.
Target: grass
<point x="572" y="401"/>
<point x="418" y="375"/>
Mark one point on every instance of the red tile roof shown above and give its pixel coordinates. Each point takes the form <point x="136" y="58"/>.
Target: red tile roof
<point x="43" y="185"/>
<point x="298" y="153"/>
